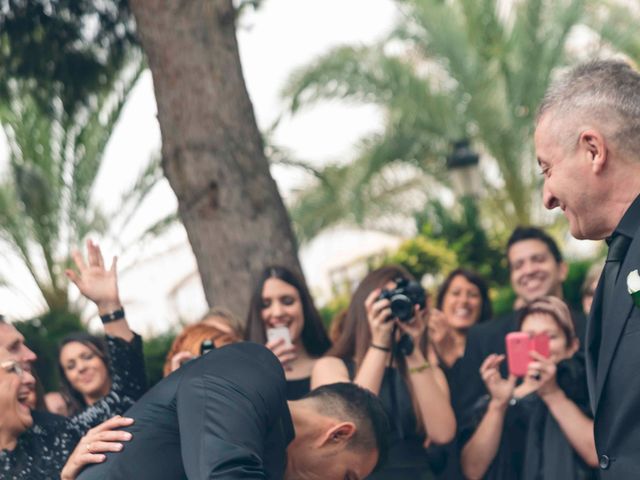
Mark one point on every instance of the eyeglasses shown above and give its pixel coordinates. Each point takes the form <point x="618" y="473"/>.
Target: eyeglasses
<point x="12" y="366"/>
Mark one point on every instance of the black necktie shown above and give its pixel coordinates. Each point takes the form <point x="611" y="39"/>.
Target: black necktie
<point x="618" y="246"/>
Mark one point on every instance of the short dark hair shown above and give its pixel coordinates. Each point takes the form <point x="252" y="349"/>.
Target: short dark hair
<point x="350" y="402"/>
<point x="473" y="278"/>
<point x="534" y="233"/>
<point x="556" y="309"/>
<point x="314" y="337"/>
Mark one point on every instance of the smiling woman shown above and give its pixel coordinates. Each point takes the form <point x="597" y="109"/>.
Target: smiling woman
<point x="282" y="316"/>
<point x="101" y="377"/>
<point x="84" y="370"/>
<point x="463" y="299"/>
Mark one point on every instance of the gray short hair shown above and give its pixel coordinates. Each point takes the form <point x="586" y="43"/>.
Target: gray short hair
<point x="606" y="92"/>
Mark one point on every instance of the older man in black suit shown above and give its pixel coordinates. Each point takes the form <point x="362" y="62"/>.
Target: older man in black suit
<point x="588" y="142"/>
<point x="225" y="416"/>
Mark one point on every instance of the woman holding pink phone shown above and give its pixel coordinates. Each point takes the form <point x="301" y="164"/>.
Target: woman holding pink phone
<point x="283" y="317"/>
<point x="539" y="427"/>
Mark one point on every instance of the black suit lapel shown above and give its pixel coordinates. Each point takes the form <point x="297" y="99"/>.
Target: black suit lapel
<point x="615" y="316"/>
<point x="592" y="341"/>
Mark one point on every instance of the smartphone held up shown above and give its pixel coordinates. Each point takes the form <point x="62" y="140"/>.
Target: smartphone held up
<point x="277" y="333"/>
<point x="519" y="345"/>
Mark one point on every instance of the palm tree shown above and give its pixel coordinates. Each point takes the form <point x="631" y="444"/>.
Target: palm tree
<point x="46" y="197"/>
<point x="450" y="70"/>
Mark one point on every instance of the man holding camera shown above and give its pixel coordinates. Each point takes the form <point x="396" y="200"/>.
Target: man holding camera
<point x="225" y="415"/>
<point x="587" y="141"/>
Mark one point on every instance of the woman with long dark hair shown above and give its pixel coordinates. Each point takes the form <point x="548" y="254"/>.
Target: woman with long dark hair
<point x="281" y="301"/>
<point x="414" y="392"/>
<point x="100" y="377"/>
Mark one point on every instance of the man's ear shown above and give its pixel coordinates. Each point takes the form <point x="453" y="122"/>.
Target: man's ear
<point x="593" y="143"/>
<point x="339" y="434"/>
<point x="564" y="271"/>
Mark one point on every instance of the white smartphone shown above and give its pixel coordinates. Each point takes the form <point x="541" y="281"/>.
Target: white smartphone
<point x="276" y="333"/>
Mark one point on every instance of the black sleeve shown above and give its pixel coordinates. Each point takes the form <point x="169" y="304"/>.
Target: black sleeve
<point x="128" y="383"/>
<point x="225" y="412"/>
<point x="472" y="419"/>
<point x="572" y="379"/>
<point x="126" y="361"/>
<point x="472" y="388"/>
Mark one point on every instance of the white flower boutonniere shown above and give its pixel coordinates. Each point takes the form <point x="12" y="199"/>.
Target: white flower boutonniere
<point x="633" y="285"/>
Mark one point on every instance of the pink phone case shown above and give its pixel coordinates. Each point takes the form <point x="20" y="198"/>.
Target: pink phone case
<point x="541" y="344"/>
<point x="518" y="344"/>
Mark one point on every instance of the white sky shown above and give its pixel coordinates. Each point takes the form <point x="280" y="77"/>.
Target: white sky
<point x="274" y="40"/>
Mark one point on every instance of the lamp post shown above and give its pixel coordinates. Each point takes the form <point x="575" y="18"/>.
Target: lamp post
<point x="463" y="165"/>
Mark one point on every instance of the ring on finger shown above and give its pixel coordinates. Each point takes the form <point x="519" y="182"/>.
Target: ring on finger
<point x="89" y="447"/>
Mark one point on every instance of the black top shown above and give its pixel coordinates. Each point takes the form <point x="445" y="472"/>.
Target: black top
<point x="445" y="459"/>
<point x="223" y="415"/>
<point x="407" y="456"/>
<point x="509" y="459"/>
<point x="533" y="446"/>
<point x="128" y="382"/>
<point x="482" y="340"/>
<point x="296" y="389"/>
<point x="41" y="451"/>
<point x="549" y="455"/>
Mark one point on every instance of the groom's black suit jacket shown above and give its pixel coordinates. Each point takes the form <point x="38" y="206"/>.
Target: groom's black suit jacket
<point x="613" y="364"/>
<point x="222" y="416"/>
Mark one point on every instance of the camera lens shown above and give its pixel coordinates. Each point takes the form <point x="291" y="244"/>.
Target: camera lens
<point x="402" y="307"/>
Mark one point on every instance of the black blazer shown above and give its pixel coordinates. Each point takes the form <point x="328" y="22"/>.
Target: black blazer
<point x="613" y="374"/>
<point x="221" y="416"/>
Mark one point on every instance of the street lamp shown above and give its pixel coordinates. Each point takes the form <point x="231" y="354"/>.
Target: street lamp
<point x="463" y="167"/>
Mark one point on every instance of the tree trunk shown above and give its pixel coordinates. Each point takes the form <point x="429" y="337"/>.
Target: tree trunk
<point x="211" y="147"/>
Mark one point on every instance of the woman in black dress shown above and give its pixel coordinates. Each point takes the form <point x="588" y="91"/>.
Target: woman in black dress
<point x="413" y="392"/>
<point x="541" y="429"/>
<point x="282" y="299"/>
<point x="100" y="377"/>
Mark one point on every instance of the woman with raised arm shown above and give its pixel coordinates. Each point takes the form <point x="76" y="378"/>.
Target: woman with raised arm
<point x="414" y="392"/>
<point x="101" y="377"/>
<point x="281" y="304"/>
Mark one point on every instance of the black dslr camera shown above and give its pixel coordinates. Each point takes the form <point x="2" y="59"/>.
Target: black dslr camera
<point x="403" y="298"/>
